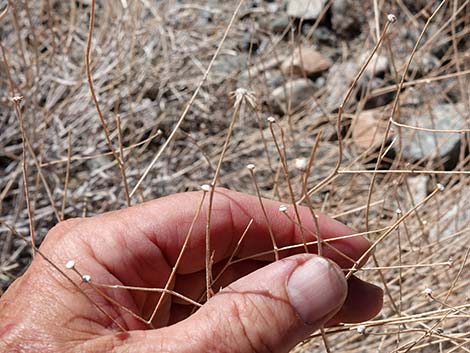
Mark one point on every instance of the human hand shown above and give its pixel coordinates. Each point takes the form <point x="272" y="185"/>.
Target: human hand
<point x="262" y="308"/>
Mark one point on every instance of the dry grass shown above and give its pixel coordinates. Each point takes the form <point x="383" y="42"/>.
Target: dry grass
<point x="149" y="59"/>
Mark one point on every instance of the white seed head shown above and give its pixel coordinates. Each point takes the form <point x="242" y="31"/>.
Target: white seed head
<point x="17" y="99"/>
<point x="398" y="211"/>
<point x="70" y="264"/>
<point x="361" y="329"/>
<point x="283" y="208"/>
<point x="440" y="187"/>
<point x="251" y="166"/>
<point x="206" y="187"/>
<point x="301" y="164"/>
<point x="425" y="222"/>
<point x="271" y="120"/>
<point x="392" y="18"/>
<point x="86" y="278"/>
<point x="427" y="291"/>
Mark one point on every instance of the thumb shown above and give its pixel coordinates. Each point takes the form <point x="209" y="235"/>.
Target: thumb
<point x="270" y="310"/>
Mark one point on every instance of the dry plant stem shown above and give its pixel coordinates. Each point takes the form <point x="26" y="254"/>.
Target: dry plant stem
<point x="122" y="160"/>
<point x="85" y="158"/>
<point x="391" y="229"/>
<point x="406" y="171"/>
<point x="384" y="282"/>
<point x="67" y="176"/>
<point x="454" y="282"/>
<point x="41" y="175"/>
<point x="95" y="98"/>
<point x="143" y="289"/>
<point x="4" y="12"/>
<point x="230" y="261"/>
<point x="456" y="131"/>
<point x="321" y="241"/>
<point x="268" y="224"/>
<point x="191" y="101"/>
<point x="325" y="339"/>
<point x="394" y="109"/>
<point x="427" y="332"/>
<point x="339" y="122"/>
<point x="429" y="315"/>
<point x="178" y="260"/>
<point x="299" y="246"/>
<point x="25" y="174"/>
<point x="235" y="251"/>
<point x="235" y="114"/>
<point x="304" y="179"/>
<point x="282" y="156"/>
<point x="392" y="88"/>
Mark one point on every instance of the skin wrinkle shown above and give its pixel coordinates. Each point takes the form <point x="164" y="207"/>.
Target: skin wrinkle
<point x="248" y="302"/>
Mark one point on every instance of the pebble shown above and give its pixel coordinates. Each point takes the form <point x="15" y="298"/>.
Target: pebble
<point x="424" y="144"/>
<point x="340" y="77"/>
<point x="378" y="64"/>
<point x="298" y="91"/>
<point x="368" y="129"/>
<point x="280" y="24"/>
<point x="418" y="187"/>
<point x="305" y="60"/>
<point x="306" y="9"/>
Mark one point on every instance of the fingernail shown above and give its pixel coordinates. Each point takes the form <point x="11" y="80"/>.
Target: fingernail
<point x="316" y="290"/>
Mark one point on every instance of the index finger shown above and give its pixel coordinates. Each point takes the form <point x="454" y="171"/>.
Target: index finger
<point x="166" y="221"/>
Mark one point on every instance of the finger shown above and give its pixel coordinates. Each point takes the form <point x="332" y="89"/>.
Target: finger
<point x="270" y="310"/>
<point x="165" y="223"/>
<point x="193" y="285"/>
<point x="364" y="302"/>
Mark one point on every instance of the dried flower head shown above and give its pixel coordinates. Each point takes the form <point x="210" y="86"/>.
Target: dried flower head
<point x="271" y="120"/>
<point x="70" y="264"/>
<point x="283" y="208"/>
<point x="361" y="329"/>
<point x="86" y="278"/>
<point x="242" y="95"/>
<point x="392" y="18"/>
<point x="301" y="164"/>
<point x="251" y="167"/>
<point x="17" y="99"/>
<point x="206" y="187"/>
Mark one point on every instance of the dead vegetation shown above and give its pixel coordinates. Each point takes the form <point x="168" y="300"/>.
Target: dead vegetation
<point x="392" y="160"/>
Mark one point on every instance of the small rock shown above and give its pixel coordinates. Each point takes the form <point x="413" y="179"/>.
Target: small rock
<point x="372" y="84"/>
<point x="280" y="24"/>
<point x="306" y="9"/>
<point x="368" y="129"/>
<point x="228" y="66"/>
<point x="340" y="77"/>
<point x="296" y="91"/>
<point x="418" y="187"/>
<point x="425" y="144"/>
<point x="305" y="60"/>
<point x="378" y="65"/>
<point x="424" y="64"/>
